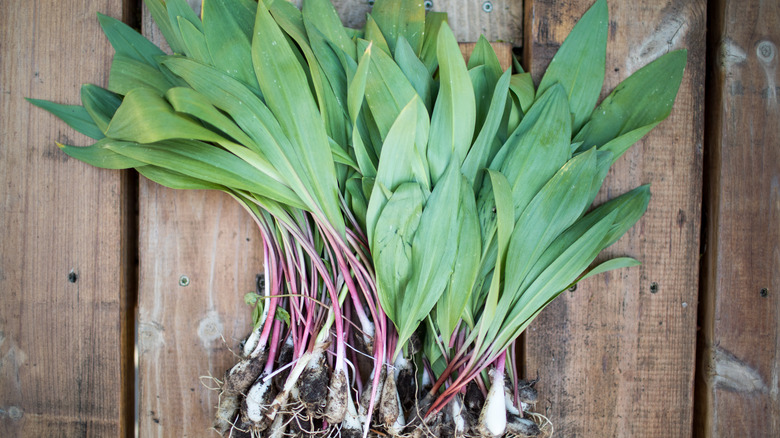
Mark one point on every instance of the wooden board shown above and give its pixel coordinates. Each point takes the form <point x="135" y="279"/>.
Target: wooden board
<point x="186" y="333"/>
<point x="65" y="326"/>
<point x="498" y="20"/>
<point x="616" y="357"/>
<point x="737" y="386"/>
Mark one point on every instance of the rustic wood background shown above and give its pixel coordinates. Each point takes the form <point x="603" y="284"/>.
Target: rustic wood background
<point x="119" y="298"/>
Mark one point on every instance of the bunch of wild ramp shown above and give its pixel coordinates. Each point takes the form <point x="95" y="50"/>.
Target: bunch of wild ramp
<point x="416" y="212"/>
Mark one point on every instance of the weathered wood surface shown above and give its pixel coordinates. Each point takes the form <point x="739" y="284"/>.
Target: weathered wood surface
<point x="737" y="386"/>
<point x="187" y="333"/>
<point x="497" y="20"/>
<point x="616" y="357"/>
<point x="65" y="339"/>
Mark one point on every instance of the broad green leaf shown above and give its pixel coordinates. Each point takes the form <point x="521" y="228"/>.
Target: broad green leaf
<point x="100" y="104"/>
<point x="144" y="107"/>
<point x="210" y="164"/>
<point x="557" y="205"/>
<point x="228" y="37"/>
<point x="551" y="282"/>
<point x="189" y="101"/>
<point x="482" y="150"/>
<point x="194" y="42"/>
<point x="637" y="104"/>
<point x="433" y="22"/>
<point x="76" y="116"/>
<point x="434" y="251"/>
<point x="452" y="304"/>
<point x="483" y="54"/>
<point x="415" y="71"/>
<point x="404" y="18"/>
<point x="128" y="74"/>
<point x="365" y="157"/>
<point x="374" y="35"/>
<point x="452" y="122"/>
<point x="579" y="64"/>
<point x="616" y="263"/>
<point x="323" y="15"/>
<point x="399" y="163"/>
<point x="391" y="245"/>
<point x="177" y="9"/>
<point x="127" y="42"/>
<point x="175" y="180"/>
<point x="628" y="208"/>
<point x="285" y="87"/>
<point x="522" y="86"/>
<point x="159" y="12"/>
<point x="99" y="155"/>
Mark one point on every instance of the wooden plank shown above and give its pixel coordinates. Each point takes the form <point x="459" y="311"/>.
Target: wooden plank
<point x="616" y="356"/>
<point x="737" y="386"/>
<point x="186" y="333"/>
<point x="498" y="20"/>
<point x="65" y="322"/>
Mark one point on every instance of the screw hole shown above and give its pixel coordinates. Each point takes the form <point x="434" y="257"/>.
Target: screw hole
<point x="573" y="288"/>
<point x="73" y="277"/>
<point x="184" y="281"/>
<point x="653" y="288"/>
<point x="487" y="7"/>
<point x="764" y="292"/>
<point x="428" y="5"/>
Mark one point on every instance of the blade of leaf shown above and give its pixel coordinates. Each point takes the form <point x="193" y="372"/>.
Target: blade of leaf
<point x="75" y="116"/>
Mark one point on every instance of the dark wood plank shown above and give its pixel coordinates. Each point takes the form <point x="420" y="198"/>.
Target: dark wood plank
<point x="737" y="385"/>
<point x="616" y="357"/>
<point x="65" y="325"/>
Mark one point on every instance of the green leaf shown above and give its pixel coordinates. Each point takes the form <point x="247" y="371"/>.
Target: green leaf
<point x="228" y="36"/>
<point x="404" y="18"/>
<point x="557" y="205"/>
<point x="145" y="107"/>
<point x="175" y="180"/>
<point x="127" y="42"/>
<point x="128" y="74"/>
<point x="100" y="104"/>
<point x="99" y="155"/>
<point x="452" y="304"/>
<point x="400" y="162"/>
<point x="483" y="54"/>
<point x="636" y="105"/>
<point x="616" y="263"/>
<point x="482" y="151"/>
<point x="434" y="251"/>
<point x="76" y="116"/>
<point x="374" y="35"/>
<point x="365" y="157"/>
<point x="194" y="42"/>
<point x="415" y="71"/>
<point x="158" y="9"/>
<point x="579" y="64"/>
<point x="323" y="15"/>
<point x="177" y="9"/>
<point x="285" y="87"/>
<point x="433" y="22"/>
<point x="391" y="245"/>
<point x="452" y="122"/>
<point x="522" y="86"/>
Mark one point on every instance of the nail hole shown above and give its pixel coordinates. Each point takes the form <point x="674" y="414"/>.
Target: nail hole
<point x="184" y="281"/>
<point x="764" y="292"/>
<point x="73" y="277"/>
<point x="487" y="7"/>
<point x="653" y="287"/>
<point x="428" y="5"/>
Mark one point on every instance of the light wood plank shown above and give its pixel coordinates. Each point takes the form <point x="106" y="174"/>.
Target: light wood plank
<point x="614" y="358"/>
<point x="64" y="339"/>
<point x="187" y="333"/>
<point x="737" y="385"/>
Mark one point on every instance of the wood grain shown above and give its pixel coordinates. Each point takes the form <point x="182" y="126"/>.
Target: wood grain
<point x="65" y="333"/>
<point x="498" y="20"/>
<point x="186" y="333"/>
<point x="737" y="385"/>
<point x="616" y="357"/>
